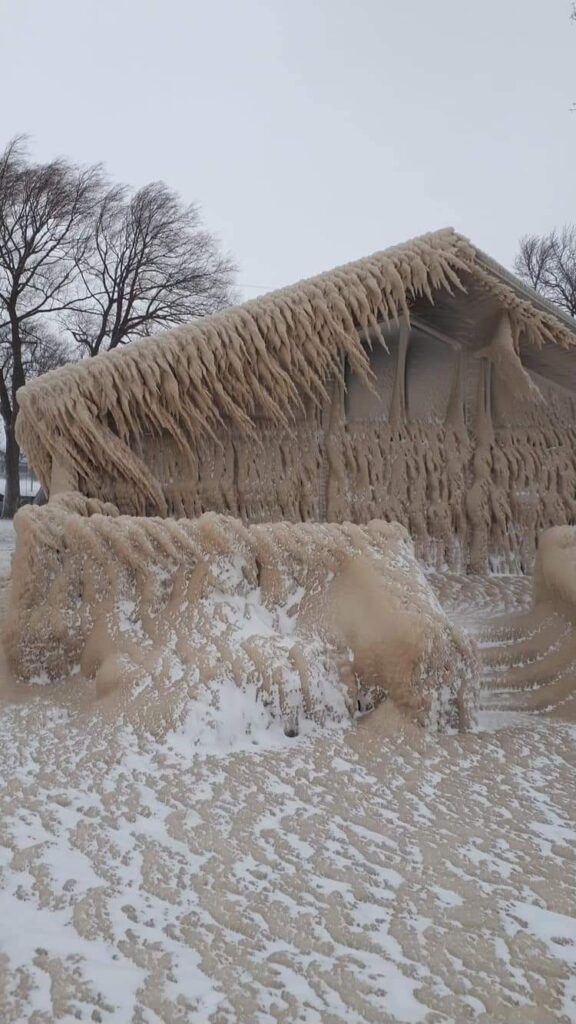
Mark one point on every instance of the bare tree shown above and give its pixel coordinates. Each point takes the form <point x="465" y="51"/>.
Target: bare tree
<point x="42" y="350"/>
<point x="149" y="265"/>
<point x="45" y="215"/>
<point x="548" y="264"/>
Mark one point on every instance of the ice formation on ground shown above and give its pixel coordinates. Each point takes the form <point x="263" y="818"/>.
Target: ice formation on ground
<point x="530" y="657"/>
<point x="355" y="877"/>
<point x="318" y="621"/>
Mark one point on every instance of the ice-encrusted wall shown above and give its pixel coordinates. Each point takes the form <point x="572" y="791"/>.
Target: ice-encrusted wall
<point x="444" y="447"/>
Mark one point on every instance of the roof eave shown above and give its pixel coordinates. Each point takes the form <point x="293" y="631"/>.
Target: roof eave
<point x="524" y="291"/>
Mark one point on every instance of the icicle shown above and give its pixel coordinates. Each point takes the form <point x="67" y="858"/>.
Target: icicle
<point x="398" y="405"/>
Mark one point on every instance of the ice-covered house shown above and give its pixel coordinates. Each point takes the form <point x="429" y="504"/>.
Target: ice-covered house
<point x="423" y="384"/>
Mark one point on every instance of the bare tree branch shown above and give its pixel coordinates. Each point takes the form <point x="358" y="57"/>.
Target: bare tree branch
<point x="149" y="265"/>
<point x="548" y="264"/>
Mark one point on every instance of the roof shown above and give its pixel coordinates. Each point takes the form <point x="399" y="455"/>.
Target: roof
<point x="261" y="358"/>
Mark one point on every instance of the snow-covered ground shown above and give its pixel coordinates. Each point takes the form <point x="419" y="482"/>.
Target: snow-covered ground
<point x="371" y="875"/>
<point x="6" y="545"/>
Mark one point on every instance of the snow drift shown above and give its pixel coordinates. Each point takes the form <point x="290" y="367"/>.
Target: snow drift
<point x="316" y="621"/>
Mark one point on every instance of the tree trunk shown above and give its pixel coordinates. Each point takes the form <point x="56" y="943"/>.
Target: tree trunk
<point x="12" y="489"/>
<point x="9" y="404"/>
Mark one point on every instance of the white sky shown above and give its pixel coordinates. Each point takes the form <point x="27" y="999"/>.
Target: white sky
<point x="311" y="132"/>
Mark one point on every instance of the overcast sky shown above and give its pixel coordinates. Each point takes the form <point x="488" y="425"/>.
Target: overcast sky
<point x="311" y="132"/>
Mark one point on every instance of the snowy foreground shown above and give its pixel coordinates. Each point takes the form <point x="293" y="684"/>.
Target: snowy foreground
<point x="233" y="875"/>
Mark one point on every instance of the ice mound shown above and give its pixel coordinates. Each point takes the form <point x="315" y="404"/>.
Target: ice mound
<point x="311" y="622"/>
<point x="530" y="657"/>
<point x="555" y="569"/>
